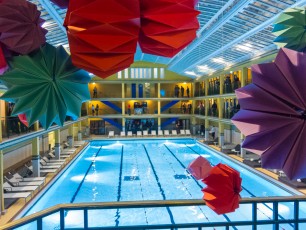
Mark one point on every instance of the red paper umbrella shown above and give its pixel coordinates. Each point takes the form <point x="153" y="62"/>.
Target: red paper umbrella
<point x="223" y="188"/>
<point x="3" y="64"/>
<point x="20" y="26"/>
<point x="103" y="34"/>
<point x="199" y="168"/>
<point x="167" y="26"/>
<point x="23" y="119"/>
<point x="61" y="3"/>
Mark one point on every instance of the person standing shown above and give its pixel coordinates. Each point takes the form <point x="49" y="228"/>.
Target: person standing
<point x="187" y="91"/>
<point x="129" y="109"/>
<point x="93" y="109"/>
<point x="97" y="109"/>
<point x="212" y="132"/>
<point x="182" y="91"/>
<point x="95" y="92"/>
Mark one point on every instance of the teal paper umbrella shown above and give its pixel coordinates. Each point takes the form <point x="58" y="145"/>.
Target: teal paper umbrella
<point x="290" y="29"/>
<point x="45" y="86"/>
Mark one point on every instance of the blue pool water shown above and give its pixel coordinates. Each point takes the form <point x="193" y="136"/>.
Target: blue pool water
<point x="131" y="170"/>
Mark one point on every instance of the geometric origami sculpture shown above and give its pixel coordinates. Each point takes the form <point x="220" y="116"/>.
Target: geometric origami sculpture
<point x="45" y="86"/>
<point x="223" y="187"/>
<point x="20" y="26"/>
<point x="290" y="29"/>
<point x="103" y="34"/>
<point x="273" y="113"/>
<point x="199" y="168"/>
<point x="167" y="26"/>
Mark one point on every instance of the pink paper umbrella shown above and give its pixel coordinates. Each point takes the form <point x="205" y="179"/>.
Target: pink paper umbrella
<point x="199" y="168"/>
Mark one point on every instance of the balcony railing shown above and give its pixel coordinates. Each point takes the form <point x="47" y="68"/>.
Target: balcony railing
<point x="250" y="219"/>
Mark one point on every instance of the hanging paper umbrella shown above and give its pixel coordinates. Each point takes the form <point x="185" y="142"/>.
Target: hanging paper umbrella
<point x="273" y="113"/>
<point x="290" y="29"/>
<point x="103" y="34"/>
<point x="20" y="26"/>
<point x="199" y="168"/>
<point x="167" y="26"/>
<point x="46" y="86"/>
<point x="3" y="64"/>
<point x="61" y="3"/>
<point x="223" y="187"/>
<point x="23" y="119"/>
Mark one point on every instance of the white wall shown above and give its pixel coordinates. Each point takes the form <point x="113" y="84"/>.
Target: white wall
<point x="12" y="157"/>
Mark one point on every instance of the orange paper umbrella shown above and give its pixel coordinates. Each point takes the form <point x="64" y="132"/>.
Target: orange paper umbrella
<point x="103" y="34"/>
<point x="167" y="26"/>
<point x="20" y="26"/>
<point x="199" y="168"/>
<point x="23" y="119"/>
<point x="223" y="188"/>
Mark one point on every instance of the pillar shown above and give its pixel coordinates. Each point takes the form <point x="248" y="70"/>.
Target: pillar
<point x="2" y="209"/>
<point x="206" y="84"/>
<point x="70" y="138"/>
<point x="158" y="107"/>
<point x="35" y="153"/>
<point x="242" y="150"/>
<point x="79" y="131"/>
<point x="221" y="84"/>
<point x="221" y="134"/>
<point x="57" y="146"/>
<point x="244" y="76"/>
<point x="206" y="120"/>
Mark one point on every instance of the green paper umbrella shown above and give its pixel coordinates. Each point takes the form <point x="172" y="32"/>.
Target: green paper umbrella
<point x="46" y="86"/>
<point x="290" y="29"/>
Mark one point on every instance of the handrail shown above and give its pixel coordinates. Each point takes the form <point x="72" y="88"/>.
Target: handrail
<point x="26" y="137"/>
<point x="144" y="204"/>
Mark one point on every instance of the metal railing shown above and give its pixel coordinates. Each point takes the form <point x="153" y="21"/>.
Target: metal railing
<point x="276" y="219"/>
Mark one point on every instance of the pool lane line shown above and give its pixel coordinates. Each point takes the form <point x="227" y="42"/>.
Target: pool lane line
<point x="224" y="215"/>
<point x="119" y="188"/>
<point x="80" y="185"/>
<point x="159" y="185"/>
<point x="251" y="194"/>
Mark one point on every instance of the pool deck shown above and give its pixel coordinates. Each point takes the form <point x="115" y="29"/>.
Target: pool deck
<point x="17" y="206"/>
<point x="20" y="203"/>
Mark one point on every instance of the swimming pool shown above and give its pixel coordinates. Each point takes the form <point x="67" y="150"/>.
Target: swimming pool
<point x="129" y="170"/>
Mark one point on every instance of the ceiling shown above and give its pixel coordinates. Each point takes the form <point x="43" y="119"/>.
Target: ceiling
<point x="231" y="32"/>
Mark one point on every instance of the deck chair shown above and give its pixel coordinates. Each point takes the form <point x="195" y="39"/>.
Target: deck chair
<point x="17" y="195"/>
<point x="160" y="133"/>
<point x="65" y="144"/>
<point x="187" y="131"/>
<point x="166" y="132"/>
<point x="153" y="133"/>
<point x="18" y="177"/>
<point x="47" y="160"/>
<point x="15" y="182"/>
<point x="42" y="170"/>
<point x="122" y="134"/>
<point x="129" y="134"/>
<point x="111" y="133"/>
<point x="182" y="132"/>
<point x="51" y="165"/>
<point x="174" y="132"/>
<point x="10" y="188"/>
<point x="62" y="156"/>
<point x="78" y="143"/>
<point x="145" y="133"/>
<point x="139" y="133"/>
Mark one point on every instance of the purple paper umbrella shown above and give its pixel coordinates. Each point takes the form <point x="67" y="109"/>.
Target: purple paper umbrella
<point x="273" y="113"/>
<point x="20" y="26"/>
<point x="61" y="3"/>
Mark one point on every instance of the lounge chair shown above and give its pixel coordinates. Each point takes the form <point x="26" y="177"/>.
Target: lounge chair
<point x="17" y="195"/>
<point x="187" y="132"/>
<point x="160" y="133"/>
<point x="111" y="133"/>
<point x="18" y="177"/>
<point x="129" y="134"/>
<point x="166" y="132"/>
<point x="174" y="132"/>
<point x="78" y="143"/>
<point x="10" y="188"/>
<point x="48" y="161"/>
<point x="145" y="133"/>
<point x="122" y="134"/>
<point x="15" y="182"/>
<point x="182" y="132"/>
<point x="153" y="133"/>
<point x="42" y="170"/>
<point x="139" y="133"/>
<point x="62" y="156"/>
<point x="44" y="164"/>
